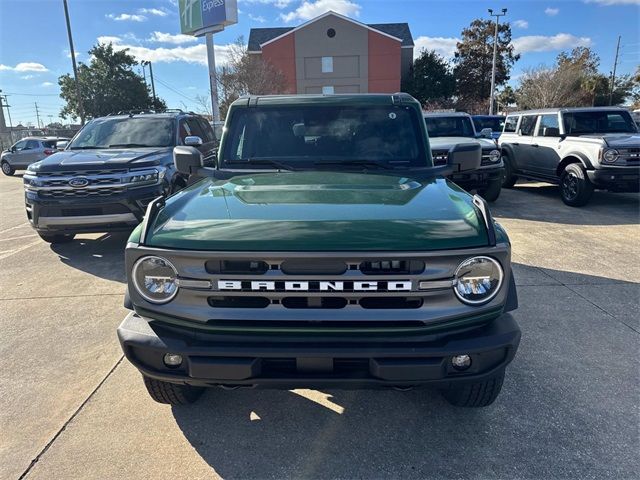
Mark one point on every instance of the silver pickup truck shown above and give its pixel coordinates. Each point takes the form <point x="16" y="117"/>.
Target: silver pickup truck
<point x="579" y="149"/>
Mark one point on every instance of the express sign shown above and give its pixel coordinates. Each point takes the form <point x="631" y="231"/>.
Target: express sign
<point x="199" y="16"/>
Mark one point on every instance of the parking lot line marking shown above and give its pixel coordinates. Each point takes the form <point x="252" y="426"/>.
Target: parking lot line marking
<point x="64" y="426"/>
<point x="100" y="294"/>
<point x="14" y="227"/>
<point x="17" y="238"/>
<point x="8" y="253"/>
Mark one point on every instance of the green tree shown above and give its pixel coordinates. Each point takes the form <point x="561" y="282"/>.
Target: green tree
<point x="474" y="58"/>
<point x="431" y="79"/>
<point x="107" y="84"/>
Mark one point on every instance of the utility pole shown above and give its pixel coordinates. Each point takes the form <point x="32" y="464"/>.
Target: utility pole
<point x="37" y="114"/>
<point x="73" y="62"/>
<point x="495" y="57"/>
<point x="613" y="74"/>
<point x="6" y="104"/>
<point x="153" y="85"/>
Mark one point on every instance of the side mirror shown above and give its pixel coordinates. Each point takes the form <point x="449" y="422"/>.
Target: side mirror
<point x="62" y="144"/>
<point x="465" y="157"/>
<point x="551" y="132"/>
<point x="193" y="141"/>
<point x="187" y="159"/>
<point x="486" y="133"/>
<point x="13" y="149"/>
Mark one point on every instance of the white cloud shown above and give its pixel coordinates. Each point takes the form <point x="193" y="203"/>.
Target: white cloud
<point x="542" y="43"/>
<point x="47" y="84"/>
<point x="275" y="3"/>
<point x="154" y="11"/>
<point x="608" y="3"/>
<point x="27" y="77"/>
<point x="312" y="9"/>
<point x="191" y="54"/>
<point x="178" y="39"/>
<point x="552" y="12"/>
<point x="521" y="24"/>
<point x="258" y="18"/>
<point x="25" y="67"/>
<point x="126" y="17"/>
<point x="445" y="46"/>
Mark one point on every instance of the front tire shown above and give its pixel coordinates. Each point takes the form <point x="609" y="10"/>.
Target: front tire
<point x="575" y="187"/>
<point x="475" y="395"/>
<point x="492" y="191"/>
<point x="509" y="179"/>
<point x="171" y="393"/>
<point x="7" y="169"/>
<point x="57" y="237"/>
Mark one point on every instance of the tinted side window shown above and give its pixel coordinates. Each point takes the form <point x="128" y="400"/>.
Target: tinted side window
<point x="510" y="124"/>
<point x="20" y="145"/>
<point x="527" y="124"/>
<point x="207" y="130"/>
<point x="32" y="145"/>
<point x="49" y="143"/>
<point x="190" y="127"/>
<point x="547" y="121"/>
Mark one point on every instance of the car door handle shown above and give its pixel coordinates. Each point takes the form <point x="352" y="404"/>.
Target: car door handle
<point x="534" y="144"/>
<point x="515" y="143"/>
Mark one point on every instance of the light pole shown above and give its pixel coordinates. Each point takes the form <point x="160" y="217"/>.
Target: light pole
<point x="495" y="55"/>
<point x="73" y="62"/>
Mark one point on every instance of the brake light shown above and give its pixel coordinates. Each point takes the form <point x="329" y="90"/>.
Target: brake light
<point x="49" y="151"/>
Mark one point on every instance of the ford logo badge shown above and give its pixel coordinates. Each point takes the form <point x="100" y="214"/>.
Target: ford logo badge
<point x="78" y="182"/>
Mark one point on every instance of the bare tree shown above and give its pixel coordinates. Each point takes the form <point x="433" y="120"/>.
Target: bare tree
<point x="246" y="74"/>
<point x="545" y="87"/>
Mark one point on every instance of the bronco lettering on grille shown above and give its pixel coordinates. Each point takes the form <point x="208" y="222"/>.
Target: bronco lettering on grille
<point x="316" y="286"/>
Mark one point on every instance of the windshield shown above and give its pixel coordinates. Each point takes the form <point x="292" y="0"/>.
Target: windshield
<point x="300" y="136"/>
<point x="494" y="123"/>
<point x="126" y="132"/>
<point x="449" y="127"/>
<point x="581" y="123"/>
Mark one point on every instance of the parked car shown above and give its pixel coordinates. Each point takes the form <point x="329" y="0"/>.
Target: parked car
<point x="324" y="249"/>
<point x="453" y="128"/>
<point x="580" y="149"/>
<point x="25" y="152"/>
<point x="105" y="177"/>
<point x="495" y="123"/>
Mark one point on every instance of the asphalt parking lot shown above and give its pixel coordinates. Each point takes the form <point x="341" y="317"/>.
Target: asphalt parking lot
<point x="71" y="407"/>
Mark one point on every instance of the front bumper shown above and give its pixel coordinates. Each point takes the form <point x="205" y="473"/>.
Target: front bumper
<point x="121" y="211"/>
<point x="620" y="179"/>
<point x="480" y="178"/>
<point x="278" y="362"/>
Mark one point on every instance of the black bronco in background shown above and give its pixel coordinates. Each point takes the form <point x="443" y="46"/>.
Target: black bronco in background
<point x="109" y="172"/>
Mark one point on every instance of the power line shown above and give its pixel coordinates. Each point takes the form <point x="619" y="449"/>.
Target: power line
<point x="35" y="94"/>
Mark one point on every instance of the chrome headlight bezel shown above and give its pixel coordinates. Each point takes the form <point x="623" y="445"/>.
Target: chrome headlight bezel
<point x="492" y="294"/>
<point x="142" y="291"/>
<point x="610" y="155"/>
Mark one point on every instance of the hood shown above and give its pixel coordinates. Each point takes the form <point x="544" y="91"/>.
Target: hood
<point x="622" y="140"/>
<point x="319" y="211"/>
<point x="445" y="143"/>
<point x="104" y="159"/>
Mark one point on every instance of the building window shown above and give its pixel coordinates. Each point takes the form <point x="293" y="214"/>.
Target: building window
<point x="328" y="90"/>
<point x="331" y="33"/>
<point x="327" y="64"/>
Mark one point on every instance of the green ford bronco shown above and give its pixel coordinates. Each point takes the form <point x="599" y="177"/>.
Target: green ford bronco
<point x="322" y="250"/>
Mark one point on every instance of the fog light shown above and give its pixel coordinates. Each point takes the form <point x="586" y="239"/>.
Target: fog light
<point x="172" y="360"/>
<point x="461" y="362"/>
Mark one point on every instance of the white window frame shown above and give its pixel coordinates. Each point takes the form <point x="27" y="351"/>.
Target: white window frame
<point x="328" y="90"/>
<point x="327" y="64"/>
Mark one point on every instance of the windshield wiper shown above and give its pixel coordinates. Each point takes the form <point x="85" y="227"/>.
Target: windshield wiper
<point x="364" y="163"/>
<point x="86" y="147"/>
<point x="129" y="145"/>
<point x="262" y="161"/>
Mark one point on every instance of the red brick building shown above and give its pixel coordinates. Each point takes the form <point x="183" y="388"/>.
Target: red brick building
<point x="335" y="54"/>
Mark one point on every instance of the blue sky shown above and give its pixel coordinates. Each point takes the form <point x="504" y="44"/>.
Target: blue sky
<point x="34" y="49"/>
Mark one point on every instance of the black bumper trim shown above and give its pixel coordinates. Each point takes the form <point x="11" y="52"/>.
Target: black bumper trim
<point x="616" y="179"/>
<point x="277" y="363"/>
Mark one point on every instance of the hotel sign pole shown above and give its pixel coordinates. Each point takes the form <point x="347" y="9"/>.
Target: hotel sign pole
<point x="213" y="78"/>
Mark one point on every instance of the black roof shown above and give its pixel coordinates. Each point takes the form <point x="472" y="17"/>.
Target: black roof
<point x="258" y="36"/>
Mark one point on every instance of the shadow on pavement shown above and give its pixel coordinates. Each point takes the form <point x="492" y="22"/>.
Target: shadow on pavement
<point x="541" y="202"/>
<point x="565" y="402"/>
<point x="102" y="257"/>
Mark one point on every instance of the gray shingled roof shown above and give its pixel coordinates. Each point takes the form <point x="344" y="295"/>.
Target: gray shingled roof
<point x="258" y="36"/>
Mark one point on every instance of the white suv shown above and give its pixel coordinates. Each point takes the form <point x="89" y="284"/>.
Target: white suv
<point x="580" y="149"/>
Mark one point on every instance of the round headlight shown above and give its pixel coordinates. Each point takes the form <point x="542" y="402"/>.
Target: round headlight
<point x="477" y="280"/>
<point x="610" y="155"/>
<point x="495" y="155"/>
<point x="155" y="279"/>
